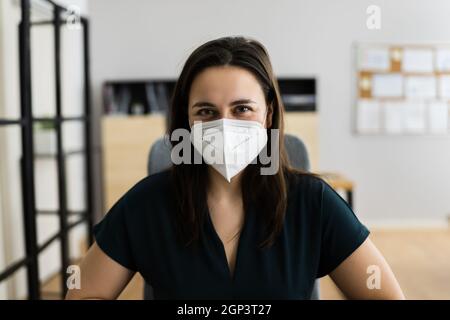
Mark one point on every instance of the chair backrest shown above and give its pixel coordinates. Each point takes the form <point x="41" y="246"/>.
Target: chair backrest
<point x="159" y="159"/>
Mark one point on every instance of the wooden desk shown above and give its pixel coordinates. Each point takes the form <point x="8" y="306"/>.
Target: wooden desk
<point x="339" y="182"/>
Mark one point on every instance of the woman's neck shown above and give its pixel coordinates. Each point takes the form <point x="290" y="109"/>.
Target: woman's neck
<point x="220" y="189"/>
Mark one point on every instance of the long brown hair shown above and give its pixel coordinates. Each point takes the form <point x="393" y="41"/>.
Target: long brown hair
<point x="267" y="193"/>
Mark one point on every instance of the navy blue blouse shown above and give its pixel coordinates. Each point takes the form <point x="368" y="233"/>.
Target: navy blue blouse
<point x="320" y="231"/>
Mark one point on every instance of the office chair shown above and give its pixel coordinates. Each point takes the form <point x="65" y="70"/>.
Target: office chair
<point x="159" y="159"/>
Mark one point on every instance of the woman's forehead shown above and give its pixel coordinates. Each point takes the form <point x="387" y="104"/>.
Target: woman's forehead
<point x="224" y="84"/>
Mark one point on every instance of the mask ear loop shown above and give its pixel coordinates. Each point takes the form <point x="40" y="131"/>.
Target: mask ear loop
<point x="270" y="98"/>
<point x="266" y="116"/>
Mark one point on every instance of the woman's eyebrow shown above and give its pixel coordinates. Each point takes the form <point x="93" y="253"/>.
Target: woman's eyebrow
<point x="241" y="101"/>
<point x="209" y="104"/>
<point x="202" y="104"/>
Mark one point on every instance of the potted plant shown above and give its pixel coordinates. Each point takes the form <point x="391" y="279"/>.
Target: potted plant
<point x="45" y="137"/>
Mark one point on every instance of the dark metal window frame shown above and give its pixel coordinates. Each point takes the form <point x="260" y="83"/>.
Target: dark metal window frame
<point x="26" y="122"/>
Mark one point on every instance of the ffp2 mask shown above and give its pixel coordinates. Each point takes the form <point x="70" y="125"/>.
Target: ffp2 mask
<point x="228" y="145"/>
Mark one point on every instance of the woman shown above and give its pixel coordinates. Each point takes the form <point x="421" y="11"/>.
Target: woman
<point x="205" y="231"/>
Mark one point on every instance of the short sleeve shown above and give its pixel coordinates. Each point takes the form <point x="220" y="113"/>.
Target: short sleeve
<point x="112" y="235"/>
<point x="342" y="232"/>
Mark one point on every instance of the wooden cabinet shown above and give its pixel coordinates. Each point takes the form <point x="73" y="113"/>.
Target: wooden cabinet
<point x="305" y="125"/>
<point x="126" y="144"/>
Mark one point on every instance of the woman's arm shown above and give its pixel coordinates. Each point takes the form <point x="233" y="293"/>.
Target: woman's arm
<point x="357" y="275"/>
<point x="101" y="277"/>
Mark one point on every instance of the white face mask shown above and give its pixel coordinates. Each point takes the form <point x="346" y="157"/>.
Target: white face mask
<point x="228" y="145"/>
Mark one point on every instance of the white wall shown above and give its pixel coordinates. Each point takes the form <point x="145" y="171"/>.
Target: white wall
<point x="11" y="234"/>
<point x="398" y="179"/>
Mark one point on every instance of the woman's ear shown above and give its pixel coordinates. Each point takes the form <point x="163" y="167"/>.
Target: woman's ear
<point x="269" y="114"/>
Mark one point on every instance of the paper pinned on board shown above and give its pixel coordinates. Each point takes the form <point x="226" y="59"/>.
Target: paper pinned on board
<point x="393" y="117"/>
<point x="443" y="59"/>
<point x="438" y="114"/>
<point x="368" y="116"/>
<point x="387" y="85"/>
<point x="415" y="116"/>
<point x="444" y="86"/>
<point x="376" y="59"/>
<point x="420" y="87"/>
<point x="417" y="60"/>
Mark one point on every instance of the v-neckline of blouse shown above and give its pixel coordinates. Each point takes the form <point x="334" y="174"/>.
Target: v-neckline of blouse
<point x="241" y="240"/>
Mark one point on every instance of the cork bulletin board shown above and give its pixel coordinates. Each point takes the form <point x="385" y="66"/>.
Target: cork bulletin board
<point x="402" y="89"/>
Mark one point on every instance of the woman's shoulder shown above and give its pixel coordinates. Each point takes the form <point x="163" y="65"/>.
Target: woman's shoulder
<point x="316" y="191"/>
<point x="306" y="183"/>
<point x="312" y="189"/>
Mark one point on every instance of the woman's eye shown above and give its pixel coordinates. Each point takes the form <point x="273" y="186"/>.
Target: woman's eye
<point x="205" y="112"/>
<point x="243" y="109"/>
